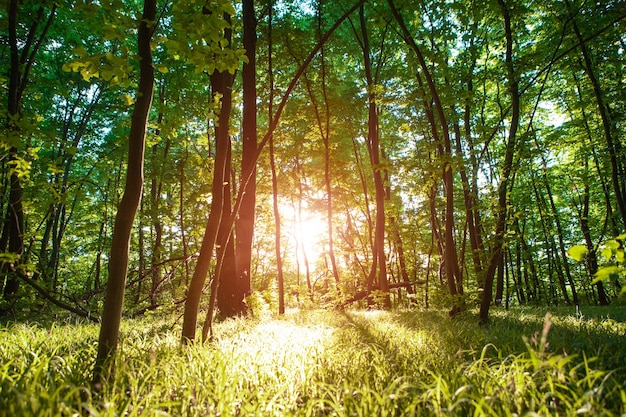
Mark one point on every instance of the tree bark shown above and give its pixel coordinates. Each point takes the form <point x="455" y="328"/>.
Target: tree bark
<point x="325" y="132"/>
<point x="379" y="264"/>
<point x="613" y="143"/>
<point x="194" y="293"/>
<point x="120" y="243"/>
<point x="507" y="165"/>
<point x="591" y="257"/>
<point x="244" y="225"/>
<point x="19" y="70"/>
<point x="451" y="262"/>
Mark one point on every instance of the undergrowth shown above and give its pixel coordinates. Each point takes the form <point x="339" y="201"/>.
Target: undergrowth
<point x="321" y="363"/>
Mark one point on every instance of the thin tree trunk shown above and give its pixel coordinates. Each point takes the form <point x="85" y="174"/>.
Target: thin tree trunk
<point x="181" y="209"/>
<point x="277" y="232"/>
<point x="613" y="143"/>
<point x="326" y="139"/>
<point x="120" y="243"/>
<point x="592" y="259"/>
<point x="230" y="299"/>
<point x="559" y="231"/>
<point x="380" y="262"/>
<point x="549" y="240"/>
<point x="605" y="187"/>
<point x="450" y="256"/>
<point x="503" y="188"/>
<point x="19" y="69"/>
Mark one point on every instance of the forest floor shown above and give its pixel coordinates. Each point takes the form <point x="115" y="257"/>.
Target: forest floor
<point x="548" y="362"/>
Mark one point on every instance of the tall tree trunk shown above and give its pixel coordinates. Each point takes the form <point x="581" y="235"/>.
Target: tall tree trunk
<point x="559" y="231"/>
<point x="277" y="231"/>
<point x="120" y="243"/>
<point x="592" y="259"/>
<point x="506" y="170"/>
<point x="397" y="239"/>
<point x="380" y="262"/>
<point x="244" y="225"/>
<point x="451" y="262"/>
<point x="305" y="256"/>
<point x="325" y="132"/>
<point x="181" y="209"/>
<point x="612" y="141"/>
<point x="196" y="285"/>
<point x="549" y="241"/>
<point x="594" y="152"/>
<point x="230" y="298"/>
<point x="19" y="70"/>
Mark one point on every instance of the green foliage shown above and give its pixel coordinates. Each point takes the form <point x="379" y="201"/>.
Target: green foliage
<point x="577" y="252"/>
<point x="612" y="252"/>
<point x="327" y="363"/>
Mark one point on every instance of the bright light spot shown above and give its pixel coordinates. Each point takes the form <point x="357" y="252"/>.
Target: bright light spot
<point x="307" y="234"/>
<point x="276" y="351"/>
<point x="554" y="116"/>
<point x="310" y="234"/>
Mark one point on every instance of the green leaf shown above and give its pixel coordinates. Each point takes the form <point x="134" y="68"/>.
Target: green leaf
<point x="577" y="252"/>
<point x="80" y="51"/>
<point x="606" y="272"/>
<point x="606" y="253"/>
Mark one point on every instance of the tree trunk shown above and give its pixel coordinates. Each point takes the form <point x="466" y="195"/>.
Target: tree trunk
<point x="549" y="241"/>
<point x="451" y="262"/>
<point x="503" y="187"/>
<point x="19" y="69"/>
<point x="120" y="243"/>
<point x="613" y="143"/>
<point x="379" y="258"/>
<point x="244" y="225"/>
<point x="277" y="231"/>
<point x="325" y="132"/>
<point x="230" y="298"/>
<point x="559" y="231"/>
<point x="592" y="259"/>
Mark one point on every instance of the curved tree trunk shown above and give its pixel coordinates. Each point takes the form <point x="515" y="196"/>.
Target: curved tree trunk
<point x="379" y="264"/>
<point x="21" y="62"/>
<point x="451" y="263"/>
<point x="503" y="188"/>
<point x="612" y="141"/>
<point x="120" y="243"/>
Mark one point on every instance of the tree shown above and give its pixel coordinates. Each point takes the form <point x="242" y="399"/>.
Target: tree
<point x="443" y="142"/>
<point x="245" y="220"/>
<point x="21" y="63"/>
<point x="127" y="209"/>
<point x="496" y="258"/>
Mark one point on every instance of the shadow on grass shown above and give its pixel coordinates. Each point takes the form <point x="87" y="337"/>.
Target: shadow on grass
<point x="600" y="332"/>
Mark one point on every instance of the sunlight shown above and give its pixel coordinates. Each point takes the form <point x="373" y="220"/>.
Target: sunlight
<point x="306" y="230"/>
<point x="277" y="352"/>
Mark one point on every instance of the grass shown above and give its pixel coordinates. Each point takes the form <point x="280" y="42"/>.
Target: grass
<point x="322" y="363"/>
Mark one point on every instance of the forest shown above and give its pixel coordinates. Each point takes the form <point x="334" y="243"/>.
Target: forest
<point x="195" y="167"/>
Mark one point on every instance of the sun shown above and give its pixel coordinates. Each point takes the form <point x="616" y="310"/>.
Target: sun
<point x="306" y="230"/>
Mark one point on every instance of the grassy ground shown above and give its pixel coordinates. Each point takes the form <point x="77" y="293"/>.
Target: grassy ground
<point x="320" y="363"/>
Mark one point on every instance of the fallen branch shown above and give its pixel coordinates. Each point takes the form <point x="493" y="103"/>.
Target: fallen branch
<point x="79" y="311"/>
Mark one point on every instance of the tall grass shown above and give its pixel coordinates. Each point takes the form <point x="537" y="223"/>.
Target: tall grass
<point x="320" y="363"/>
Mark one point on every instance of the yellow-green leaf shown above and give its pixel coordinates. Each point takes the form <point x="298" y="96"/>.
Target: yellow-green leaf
<point x="577" y="252"/>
